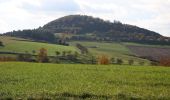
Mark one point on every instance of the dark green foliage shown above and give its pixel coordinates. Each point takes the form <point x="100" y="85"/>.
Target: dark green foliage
<point x="112" y="60"/>
<point x="1" y="43"/>
<point x="57" y="53"/>
<point x="119" y="61"/>
<point x="25" y="57"/>
<point x="37" y="35"/>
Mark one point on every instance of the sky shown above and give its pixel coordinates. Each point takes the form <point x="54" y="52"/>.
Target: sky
<point x="29" y="14"/>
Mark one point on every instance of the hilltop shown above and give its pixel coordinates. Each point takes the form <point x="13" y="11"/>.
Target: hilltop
<point x="81" y="27"/>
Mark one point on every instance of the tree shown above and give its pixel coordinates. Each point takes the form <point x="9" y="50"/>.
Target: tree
<point x="57" y="53"/>
<point x="112" y="60"/>
<point x="119" y="61"/>
<point x="103" y="60"/>
<point x="1" y="43"/>
<point x="42" y="56"/>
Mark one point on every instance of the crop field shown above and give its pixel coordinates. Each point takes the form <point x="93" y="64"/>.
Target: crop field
<point x="66" y="81"/>
<point x="154" y="52"/>
<point x="17" y="45"/>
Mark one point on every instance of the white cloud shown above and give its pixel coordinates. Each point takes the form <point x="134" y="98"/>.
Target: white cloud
<point x="24" y="14"/>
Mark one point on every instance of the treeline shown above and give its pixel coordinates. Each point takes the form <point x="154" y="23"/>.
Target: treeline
<point x="37" y="35"/>
<point x="75" y="57"/>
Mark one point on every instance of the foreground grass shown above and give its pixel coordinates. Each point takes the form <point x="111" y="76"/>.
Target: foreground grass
<point x="65" y="81"/>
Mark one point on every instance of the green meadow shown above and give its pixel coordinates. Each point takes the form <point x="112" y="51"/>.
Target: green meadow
<point x="73" y="81"/>
<point x="19" y="45"/>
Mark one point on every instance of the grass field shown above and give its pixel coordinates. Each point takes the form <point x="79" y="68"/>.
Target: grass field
<point x="18" y="45"/>
<point x="116" y="50"/>
<point x="55" y="81"/>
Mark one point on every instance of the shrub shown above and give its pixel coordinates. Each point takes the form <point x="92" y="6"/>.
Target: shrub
<point x="6" y="59"/>
<point x="103" y="60"/>
<point x="165" y="61"/>
<point x="119" y="61"/>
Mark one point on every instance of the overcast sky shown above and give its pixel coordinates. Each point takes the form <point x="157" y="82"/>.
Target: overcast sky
<point x="29" y="14"/>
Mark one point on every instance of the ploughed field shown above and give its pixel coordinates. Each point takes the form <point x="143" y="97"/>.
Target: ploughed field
<point x="153" y="53"/>
<point x="67" y="81"/>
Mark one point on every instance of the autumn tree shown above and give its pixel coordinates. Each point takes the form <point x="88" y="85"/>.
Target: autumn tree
<point x="103" y="60"/>
<point x="42" y="55"/>
<point x="165" y="61"/>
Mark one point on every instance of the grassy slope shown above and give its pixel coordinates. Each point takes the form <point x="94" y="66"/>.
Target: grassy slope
<point x="23" y="80"/>
<point x="117" y="50"/>
<point x="20" y="46"/>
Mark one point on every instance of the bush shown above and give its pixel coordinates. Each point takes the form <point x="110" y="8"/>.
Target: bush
<point x="119" y="61"/>
<point x="103" y="60"/>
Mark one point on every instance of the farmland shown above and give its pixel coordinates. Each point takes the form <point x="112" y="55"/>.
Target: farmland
<point x="67" y="81"/>
<point x="19" y="45"/>
<point x="113" y="49"/>
<point x="154" y="53"/>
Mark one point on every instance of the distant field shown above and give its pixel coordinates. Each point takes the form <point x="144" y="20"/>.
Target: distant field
<point x="116" y="50"/>
<point x="155" y="53"/>
<point x="18" y="45"/>
<point x="32" y="80"/>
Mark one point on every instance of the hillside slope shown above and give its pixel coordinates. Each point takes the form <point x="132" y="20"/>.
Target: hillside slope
<point x="19" y="45"/>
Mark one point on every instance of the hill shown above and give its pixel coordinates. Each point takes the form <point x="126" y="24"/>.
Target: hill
<point x="90" y="28"/>
<point x="34" y="81"/>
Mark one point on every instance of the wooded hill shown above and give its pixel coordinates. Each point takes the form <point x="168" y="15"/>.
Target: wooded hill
<point x="82" y="27"/>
